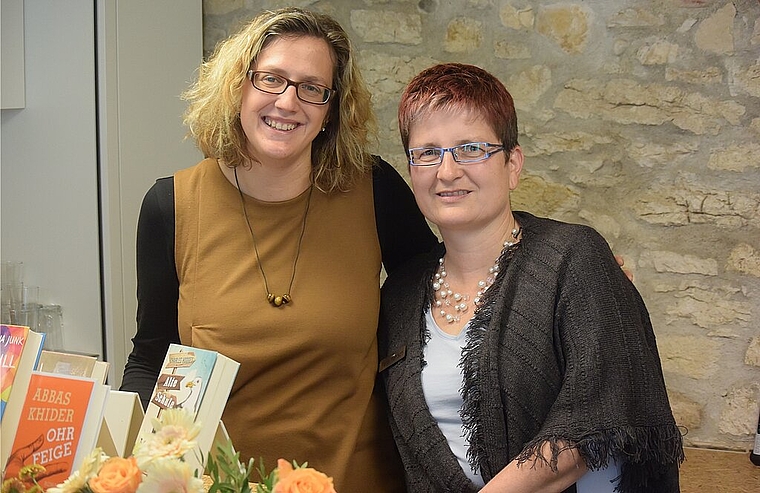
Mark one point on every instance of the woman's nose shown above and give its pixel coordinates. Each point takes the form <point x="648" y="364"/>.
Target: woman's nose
<point x="449" y="169"/>
<point x="288" y="99"/>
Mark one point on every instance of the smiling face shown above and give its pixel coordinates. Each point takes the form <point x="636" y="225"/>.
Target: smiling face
<point x="463" y="197"/>
<point x="280" y="128"/>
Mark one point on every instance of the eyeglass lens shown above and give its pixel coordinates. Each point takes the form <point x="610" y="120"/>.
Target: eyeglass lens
<point x="464" y="153"/>
<point x="277" y="84"/>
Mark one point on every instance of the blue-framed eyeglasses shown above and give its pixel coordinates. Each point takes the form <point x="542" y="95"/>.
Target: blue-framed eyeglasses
<point x="308" y="92"/>
<point x="472" y="152"/>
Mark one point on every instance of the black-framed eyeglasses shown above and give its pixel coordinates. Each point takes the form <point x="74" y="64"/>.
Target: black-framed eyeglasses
<point x="472" y="152"/>
<point x="308" y="92"/>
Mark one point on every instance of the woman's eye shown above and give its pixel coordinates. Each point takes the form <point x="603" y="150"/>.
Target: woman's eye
<point x="311" y="88"/>
<point x="272" y="80"/>
<point x="471" y="148"/>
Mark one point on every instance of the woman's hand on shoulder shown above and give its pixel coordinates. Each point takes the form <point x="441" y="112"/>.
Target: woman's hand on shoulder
<point x="621" y="262"/>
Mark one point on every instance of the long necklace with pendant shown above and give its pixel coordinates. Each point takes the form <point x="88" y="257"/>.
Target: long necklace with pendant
<point x="285" y="298"/>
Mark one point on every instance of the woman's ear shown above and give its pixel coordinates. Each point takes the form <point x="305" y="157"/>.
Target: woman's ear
<point x="515" y="165"/>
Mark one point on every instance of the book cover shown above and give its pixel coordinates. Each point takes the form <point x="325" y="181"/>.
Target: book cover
<point x="16" y="381"/>
<point x="79" y="365"/>
<point x="100" y="371"/>
<point x="12" y="340"/>
<point x="199" y="381"/>
<point x="60" y="421"/>
<point x="184" y="378"/>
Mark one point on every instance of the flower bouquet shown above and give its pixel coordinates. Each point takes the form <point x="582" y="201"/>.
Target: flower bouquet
<point x="228" y="475"/>
<point x="158" y="466"/>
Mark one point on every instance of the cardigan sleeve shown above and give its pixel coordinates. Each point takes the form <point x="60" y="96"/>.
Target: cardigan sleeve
<point x="401" y="228"/>
<point x="157" y="290"/>
<point x="612" y="402"/>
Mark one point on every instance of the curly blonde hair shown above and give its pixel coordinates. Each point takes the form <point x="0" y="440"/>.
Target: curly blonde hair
<point x="339" y="154"/>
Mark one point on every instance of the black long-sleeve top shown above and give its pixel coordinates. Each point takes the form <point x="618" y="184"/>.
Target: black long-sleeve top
<point x="401" y="228"/>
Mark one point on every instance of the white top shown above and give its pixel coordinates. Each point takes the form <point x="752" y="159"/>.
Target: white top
<point x="600" y="481"/>
<point x="442" y="381"/>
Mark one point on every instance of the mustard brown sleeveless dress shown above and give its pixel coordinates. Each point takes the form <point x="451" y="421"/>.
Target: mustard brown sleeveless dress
<point x="304" y="391"/>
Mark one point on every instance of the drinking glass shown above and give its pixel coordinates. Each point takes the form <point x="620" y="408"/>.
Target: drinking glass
<point x="28" y="315"/>
<point x="50" y="321"/>
<point x="11" y="290"/>
<point x="13" y="295"/>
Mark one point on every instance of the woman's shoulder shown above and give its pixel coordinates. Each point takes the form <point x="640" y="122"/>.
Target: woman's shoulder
<point x="548" y="226"/>
<point x="558" y="235"/>
<point x="384" y="174"/>
<point x="556" y="246"/>
<point x="160" y="196"/>
<point x="197" y="170"/>
<point x="163" y="186"/>
<point x="412" y="274"/>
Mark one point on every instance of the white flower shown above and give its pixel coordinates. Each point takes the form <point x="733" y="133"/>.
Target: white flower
<point x="165" y="475"/>
<point x="174" y="436"/>
<point x="177" y="417"/>
<point x="89" y="468"/>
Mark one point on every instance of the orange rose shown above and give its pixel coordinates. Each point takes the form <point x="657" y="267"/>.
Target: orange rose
<point x="301" y="480"/>
<point x="117" y="476"/>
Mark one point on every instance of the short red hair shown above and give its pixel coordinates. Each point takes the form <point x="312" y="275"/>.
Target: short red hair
<point x="459" y="87"/>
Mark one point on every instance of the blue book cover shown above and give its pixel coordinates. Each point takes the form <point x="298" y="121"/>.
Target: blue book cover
<point x="184" y="378"/>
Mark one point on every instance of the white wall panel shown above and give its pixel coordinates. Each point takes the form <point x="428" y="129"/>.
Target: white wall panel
<point x="94" y="134"/>
<point x="49" y="168"/>
<point x="148" y="53"/>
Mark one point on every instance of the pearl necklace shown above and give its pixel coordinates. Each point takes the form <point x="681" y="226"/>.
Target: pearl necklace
<point x="445" y="298"/>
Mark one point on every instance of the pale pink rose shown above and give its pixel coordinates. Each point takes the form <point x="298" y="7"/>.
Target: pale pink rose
<point x="170" y="475"/>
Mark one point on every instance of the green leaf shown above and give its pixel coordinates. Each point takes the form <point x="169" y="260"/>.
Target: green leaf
<point x="228" y="474"/>
<point x="268" y="480"/>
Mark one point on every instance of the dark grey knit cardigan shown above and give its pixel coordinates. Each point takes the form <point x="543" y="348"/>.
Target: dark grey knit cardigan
<point x="562" y="351"/>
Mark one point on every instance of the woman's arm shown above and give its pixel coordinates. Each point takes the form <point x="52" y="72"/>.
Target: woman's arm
<point x="537" y="475"/>
<point x="401" y="227"/>
<point x="612" y="404"/>
<point x="157" y="290"/>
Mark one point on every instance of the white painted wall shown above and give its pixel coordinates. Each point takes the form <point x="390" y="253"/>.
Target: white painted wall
<point x="12" y="66"/>
<point x="49" y="167"/>
<point x="149" y="51"/>
<point x="55" y="171"/>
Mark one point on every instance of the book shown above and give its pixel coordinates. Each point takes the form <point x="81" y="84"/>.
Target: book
<point x="123" y="417"/>
<point x="19" y="351"/>
<point x="199" y="381"/>
<point x="59" y="425"/>
<point x="81" y="365"/>
<point x="78" y="365"/>
<point x="100" y="371"/>
<point x="12" y="339"/>
<point x="24" y="345"/>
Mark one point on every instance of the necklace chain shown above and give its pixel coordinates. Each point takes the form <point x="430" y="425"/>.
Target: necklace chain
<point x="446" y="299"/>
<point x="285" y="298"/>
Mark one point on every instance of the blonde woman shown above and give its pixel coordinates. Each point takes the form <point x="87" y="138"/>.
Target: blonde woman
<point x="270" y="250"/>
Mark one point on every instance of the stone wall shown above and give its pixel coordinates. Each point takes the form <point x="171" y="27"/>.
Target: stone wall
<point x="639" y="118"/>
